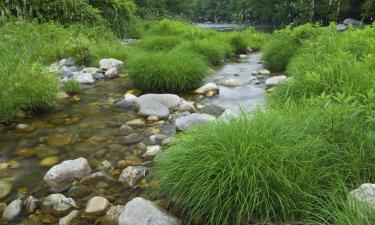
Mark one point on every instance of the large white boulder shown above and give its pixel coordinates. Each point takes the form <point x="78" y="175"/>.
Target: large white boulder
<point x="140" y="211"/>
<point x="106" y="64"/>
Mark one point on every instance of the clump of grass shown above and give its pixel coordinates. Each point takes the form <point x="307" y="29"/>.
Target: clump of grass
<point x="159" y="43"/>
<point x="272" y="166"/>
<point x="278" y="52"/>
<point x="79" y="48"/>
<point x="238" y="42"/>
<point x="71" y="87"/>
<point x="173" y="71"/>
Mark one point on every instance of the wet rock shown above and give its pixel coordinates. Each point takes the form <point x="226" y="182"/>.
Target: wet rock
<point x="67" y="62"/>
<point x="127" y="105"/>
<point x="61" y="176"/>
<point x="68" y="219"/>
<point x="126" y="129"/>
<point x="125" y="163"/>
<point x="49" y="161"/>
<point x="264" y="72"/>
<point x="213" y="110"/>
<point x="111" y="73"/>
<point x="97" y="177"/>
<point x="59" y="140"/>
<point x="83" y="78"/>
<point x="131" y="139"/>
<point x="243" y="56"/>
<point x="4" y="166"/>
<point x="341" y="27"/>
<point x="96" y="206"/>
<point x="140" y="211"/>
<point x="12" y="210"/>
<point x="151" y="151"/>
<point x="79" y="191"/>
<point x="157" y="138"/>
<point x="67" y="71"/>
<point x="209" y="87"/>
<point x="106" y="64"/>
<point x="25" y="128"/>
<point x="132" y="175"/>
<point x="192" y="120"/>
<point x="130" y="98"/>
<point x="112" y="215"/>
<point x="232" y="83"/>
<point x="105" y="166"/>
<point x="274" y="81"/>
<point x="363" y="198"/>
<point x="158" y="105"/>
<point x="152" y="118"/>
<point x="5" y="188"/>
<point x="26" y="152"/>
<point x="58" y="204"/>
<point x="31" y="204"/>
<point x="95" y="72"/>
<point x="62" y="95"/>
<point x="136" y="123"/>
<point x="187" y="106"/>
<point x="168" y="130"/>
<point x="354" y="23"/>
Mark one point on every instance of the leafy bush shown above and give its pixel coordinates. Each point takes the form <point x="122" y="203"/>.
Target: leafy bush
<point x="278" y="52"/>
<point x="159" y="43"/>
<point x="273" y="166"/>
<point x="71" y="87"/>
<point x="79" y="48"/>
<point x="173" y="71"/>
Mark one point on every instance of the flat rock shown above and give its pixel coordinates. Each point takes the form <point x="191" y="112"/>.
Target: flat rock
<point x="58" y="204"/>
<point x="60" y="177"/>
<point x="132" y="175"/>
<point x="140" y="211"/>
<point x="151" y="151"/>
<point x="209" y="87"/>
<point x="274" y="81"/>
<point x="213" y="110"/>
<point x="158" y="105"/>
<point x="264" y="72"/>
<point x="106" y="64"/>
<point x="95" y="72"/>
<point x="232" y="83"/>
<point x="12" y="210"/>
<point x="193" y="120"/>
<point x="83" y="78"/>
<point x="5" y="188"/>
<point x="68" y="219"/>
<point x="131" y="139"/>
<point x="96" y="206"/>
<point x="136" y="123"/>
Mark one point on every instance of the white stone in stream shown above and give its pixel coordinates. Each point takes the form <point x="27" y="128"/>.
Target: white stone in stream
<point x="62" y="95"/>
<point x="192" y="120"/>
<point x="67" y="220"/>
<point x="96" y="206"/>
<point x="152" y="151"/>
<point x="363" y="196"/>
<point x="274" y="81"/>
<point x="12" y="210"/>
<point x="83" y="78"/>
<point x="22" y="127"/>
<point x="130" y="98"/>
<point x="106" y="64"/>
<point x="132" y="175"/>
<point x="58" y="204"/>
<point x="209" y="87"/>
<point x="232" y="83"/>
<point x="111" y="73"/>
<point x="243" y="56"/>
<point x="158" y="105"/>
<point x="95" y="72"/>
<point x="60" y="177"/>
<point x="140" y="211"/>
<point x="264" y="72"/>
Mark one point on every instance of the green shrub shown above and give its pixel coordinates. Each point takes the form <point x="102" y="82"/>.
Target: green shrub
<point x="238" y="43"/>
<point x="278" y="52"/>
<point x="80" y="49"/>
<point x="255" y="40"/>
<point x="269" y="167"/>
<point x="173" y="71"/>
<point x="212" y="50"/>
<point x="71" y="87"/>
<point x="159" y="43"/>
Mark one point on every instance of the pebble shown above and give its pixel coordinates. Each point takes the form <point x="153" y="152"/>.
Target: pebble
<point x="67" y="220"/>
<point x="49" y="161"/>
<point x="25" y="128"/>
<point x="59" y="140"/>
<point x="151" y="151"/>
<point x="209" y="87"/>
<point x="131" y="139"/>
<point x="157" y="139"/>
<point x="136" y="123"/>
<point x="12" y="210"/>
<point x="58" y="204"/>
<point x="232" y="83"/>
<point x="5" y="188"/>
<point x="122" y="164"/>
<point x="26" y="152"/>
<point x="112" y="215"/>
<point x="96" y="206"/>
<point x="31" y="204"/>
<point x="152" y="118"/>
<point x="4" y="166"/>
<point x="132" y="175"/>
<point x="126" y="129"/>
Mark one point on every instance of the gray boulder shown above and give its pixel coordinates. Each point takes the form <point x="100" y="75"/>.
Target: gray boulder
<point x="83" y="78"/>
<point x="60" y="177"/>
<point x="12" y="210"/>
<point x="354" y="23"/>
<point x="363" y="197"/>
<point x="140" y="211"/>
<point x="68" y="71"/>
<point x="106" y="64"/>
<point x="95" y="72"/>
<point x="193" y="120"/>
<point x="158" y="105"/>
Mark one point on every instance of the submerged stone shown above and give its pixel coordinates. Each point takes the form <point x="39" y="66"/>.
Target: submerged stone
<point x="12" y="210"/>
<point x="132" y="175"/>
<point x="5" y="188"/>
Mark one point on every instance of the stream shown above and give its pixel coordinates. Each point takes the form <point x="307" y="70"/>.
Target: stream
<point x="87" y="125"/>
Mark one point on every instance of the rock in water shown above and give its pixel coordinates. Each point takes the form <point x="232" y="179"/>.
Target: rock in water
<point x="140" y="211"/>
<point x="232" y="83"/>
<point x="58" y="204"/>
<point x="274" y="81"/>
<point x="111" y="73"/>
<point x="112" y="215"/>
<point x="96" y="206"/>
<point x="60" y="177"/>
<point x="12" y="210"/>
<point x="158" y="105"/>
<point x="5" y="188"/>
<point x="152" y="151"/>
<point x="31" y="204"/>
<point x="192" y="120"/>
<point x="69" y="218"/>
<point x="186" y="106"/>
<point x="132" y="175"/>
<point x="83" y="78"/>
<point x="106" y="64"/>
<point x="209" y="87"/>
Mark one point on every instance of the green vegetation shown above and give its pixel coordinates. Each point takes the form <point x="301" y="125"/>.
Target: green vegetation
<point x="71" y="87"/>
<point x="174" y="71"/>
<point x="159" y="43"/>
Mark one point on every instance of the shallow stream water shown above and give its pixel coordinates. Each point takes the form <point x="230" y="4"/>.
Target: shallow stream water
<point x="87" y="125"/>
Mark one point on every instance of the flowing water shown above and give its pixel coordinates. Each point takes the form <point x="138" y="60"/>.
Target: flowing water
<point x="87" y="125"/>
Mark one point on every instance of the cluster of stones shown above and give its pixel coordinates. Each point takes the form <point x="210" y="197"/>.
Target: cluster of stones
<point x="67" y="70"/>
<point x="349" y="23"/>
